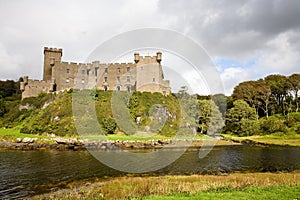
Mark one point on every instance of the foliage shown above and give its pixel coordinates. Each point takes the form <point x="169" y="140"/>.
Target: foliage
<point x="9" y="87"/>
<point x="210" y="116"/>
<point x="221" y="101"/>
<point x="249" y="127"/>
<point x="109" y="125"/>
<point x="2" y="106"/>
<point x="273" y="125"/>
<point x="279" y="86"/>
<point x="294" y="81"/>
<point x="238" y="116"/>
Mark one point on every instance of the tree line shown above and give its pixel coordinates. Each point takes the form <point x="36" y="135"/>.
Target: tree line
<point x="271" y="95"/>
<point x="266" y="106"/>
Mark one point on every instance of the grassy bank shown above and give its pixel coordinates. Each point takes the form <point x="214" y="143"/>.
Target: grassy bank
<point x="12" y="135"/>
<point x="274" y="139"/>
<point x="233" y="186"/>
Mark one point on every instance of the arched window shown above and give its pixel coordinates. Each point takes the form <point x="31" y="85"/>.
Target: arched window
<point x="118" y="88"/>
<point x="105" y="88"/>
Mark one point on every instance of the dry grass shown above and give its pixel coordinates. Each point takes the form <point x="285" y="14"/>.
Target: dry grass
<point x="139" y="187"/>
<point x="282" y="140"/>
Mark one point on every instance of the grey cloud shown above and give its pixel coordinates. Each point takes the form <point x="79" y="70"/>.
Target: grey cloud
<point x="233" y="27"/>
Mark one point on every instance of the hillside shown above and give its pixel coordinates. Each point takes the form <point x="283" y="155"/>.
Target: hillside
<point x="53" y="114"/>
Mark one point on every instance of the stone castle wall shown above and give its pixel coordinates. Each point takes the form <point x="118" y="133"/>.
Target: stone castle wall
<point x="145" y="74"/>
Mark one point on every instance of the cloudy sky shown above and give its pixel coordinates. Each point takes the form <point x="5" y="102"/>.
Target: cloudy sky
<point x="245" y="39"/>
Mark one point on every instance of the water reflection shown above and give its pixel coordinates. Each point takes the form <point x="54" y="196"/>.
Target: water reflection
<point x="27" y="173"/>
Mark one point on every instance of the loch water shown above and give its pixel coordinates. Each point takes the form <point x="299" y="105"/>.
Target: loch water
<point x="27" y="173"/>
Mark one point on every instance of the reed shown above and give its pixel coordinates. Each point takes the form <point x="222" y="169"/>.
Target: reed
<point x="141" y="187"/>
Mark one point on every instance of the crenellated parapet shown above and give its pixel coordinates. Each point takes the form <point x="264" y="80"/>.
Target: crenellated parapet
<point x="56" y="50"/>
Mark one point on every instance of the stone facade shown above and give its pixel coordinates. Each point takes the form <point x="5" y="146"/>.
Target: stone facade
<point x="145" y="74"/>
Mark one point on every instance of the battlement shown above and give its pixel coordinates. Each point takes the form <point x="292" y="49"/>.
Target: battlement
<point x="50" y="49"/>
<point x="131" y="76"/>
<point x="75" y="63"/>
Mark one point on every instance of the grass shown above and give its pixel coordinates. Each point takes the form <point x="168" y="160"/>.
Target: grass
<point x="13" y="134"/>
<point x="257" y="193"/>
<point x="138" y="137"/>
<point x="274" y="139"/>
<point x="232" y="186"/>
<point x="9" y="134"/>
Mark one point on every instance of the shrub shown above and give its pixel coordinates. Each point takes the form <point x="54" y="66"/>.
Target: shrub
<point x="272" y="125"/>
<point x="109" y="125"/>
<point x="249" y="127"/>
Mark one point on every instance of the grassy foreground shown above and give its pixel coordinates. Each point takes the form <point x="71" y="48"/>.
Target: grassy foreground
<point x="232" y="186"/>
<point x="273" y="139"/>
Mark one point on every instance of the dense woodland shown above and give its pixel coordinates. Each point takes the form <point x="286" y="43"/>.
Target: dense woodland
<point x="265" y="106"/>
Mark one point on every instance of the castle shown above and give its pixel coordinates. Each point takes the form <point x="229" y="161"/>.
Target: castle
<point x="145" y="74"/>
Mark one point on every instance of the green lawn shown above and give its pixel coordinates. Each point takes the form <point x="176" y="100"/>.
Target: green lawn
<point x="253" y="193"/>
<point x="275" y="139"/>
<point x="13" y="134"/>
<point x="140" y="137"/>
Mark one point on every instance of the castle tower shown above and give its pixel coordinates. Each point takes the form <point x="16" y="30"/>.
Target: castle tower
<point x="51" y="56"/>
<point x="150" y="75"/>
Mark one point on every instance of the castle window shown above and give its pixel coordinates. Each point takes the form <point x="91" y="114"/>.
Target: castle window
<point x="68" y="71"/>
<point x="118" y="88"/>
<point x="106" y="70"/>
<point x="128" y="78"/>
<point x="105" y="88"/>
<point x="119" y="69"/>
<point x="96" y="71"/>
<point x="67" y="80"/>
<point x="128" y="69"/>
<point x="153" y="80"/>
<point x="105" y="79"/>
<point x="118" y="79"/>
<point x="128" y="89"/>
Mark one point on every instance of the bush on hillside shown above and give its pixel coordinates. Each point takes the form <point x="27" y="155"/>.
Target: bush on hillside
<point x="273" y="125"/>
<point x="109" y="125"/>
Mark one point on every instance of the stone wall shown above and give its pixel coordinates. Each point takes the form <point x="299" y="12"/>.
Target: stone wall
<point x="34" y="87"/>
<point x="145" y="74"/>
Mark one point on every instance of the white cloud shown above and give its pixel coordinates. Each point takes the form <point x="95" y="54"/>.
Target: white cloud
<point x="280" y="56"/>
<point x="233" y="75"/>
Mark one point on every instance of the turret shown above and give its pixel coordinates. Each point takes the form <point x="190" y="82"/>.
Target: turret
<point x="22" y="86"/>
<point x="23" y="83"/>
<point x="136" y="57"/>
<point x="158" y="57"/>
<point x="51" y="56"/>
<point x="25" y="80"/>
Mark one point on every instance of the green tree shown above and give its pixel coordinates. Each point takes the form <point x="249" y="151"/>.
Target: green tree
<point x="256" y="93"/>
<point x="294" y="80"/>
<point x="280" y="87"/>
<point x="221" y="101"/>
<point x="236" y="116"/>
<point x="210" y="116"/>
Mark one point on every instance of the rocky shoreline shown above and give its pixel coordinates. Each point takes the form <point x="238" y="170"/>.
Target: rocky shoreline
<point x="61" y="144"/>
